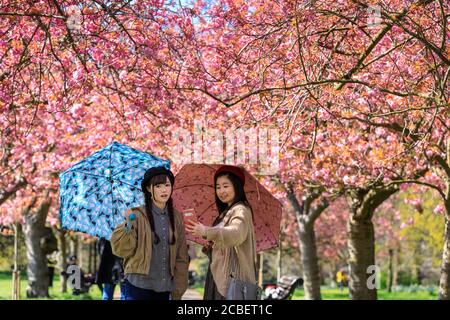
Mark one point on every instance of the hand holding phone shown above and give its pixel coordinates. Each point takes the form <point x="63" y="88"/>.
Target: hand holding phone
<point x="189" y="216"/>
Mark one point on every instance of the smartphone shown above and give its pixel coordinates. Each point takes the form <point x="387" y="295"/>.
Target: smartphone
<point x="189" y="216"/>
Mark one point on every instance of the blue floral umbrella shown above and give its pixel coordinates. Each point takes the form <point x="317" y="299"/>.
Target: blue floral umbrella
<point x="97" y="190"/>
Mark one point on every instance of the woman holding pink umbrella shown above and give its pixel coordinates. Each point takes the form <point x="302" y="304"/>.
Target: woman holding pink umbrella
<point x="231" y="239"/>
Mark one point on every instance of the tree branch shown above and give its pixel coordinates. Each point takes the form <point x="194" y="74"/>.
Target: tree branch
<point x="369" y="49"/>
<point x="5" y="195"/>
<point x="397" y="182"/>
<point x="31" y="15"/>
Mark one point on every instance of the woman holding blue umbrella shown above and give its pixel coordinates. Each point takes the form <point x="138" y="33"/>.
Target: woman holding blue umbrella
<point x="152" y="243"/>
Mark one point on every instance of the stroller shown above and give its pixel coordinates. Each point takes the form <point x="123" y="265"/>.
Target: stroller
<point x="284" y="289"/>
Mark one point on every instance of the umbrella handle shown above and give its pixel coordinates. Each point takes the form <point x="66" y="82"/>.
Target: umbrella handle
<point x="129" y="224"/>
<point x="257" y="189"/>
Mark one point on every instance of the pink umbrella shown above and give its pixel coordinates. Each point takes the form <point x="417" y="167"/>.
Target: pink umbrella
<point x="194" y="188"/>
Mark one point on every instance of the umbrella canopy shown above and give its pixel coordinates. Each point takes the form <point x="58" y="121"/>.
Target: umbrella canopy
<point x="194" y="188"/>
<point x="97" y="190"/>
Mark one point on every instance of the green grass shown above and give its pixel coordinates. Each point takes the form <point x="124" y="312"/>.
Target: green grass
<point x="54" y="292"/>
<point x="327" y="294"/>
<point x="95" y="294"/>
<point x="337" y="294"/>
<point x="199" y="288"/>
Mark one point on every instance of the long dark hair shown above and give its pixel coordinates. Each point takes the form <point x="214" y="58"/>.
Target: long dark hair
<point x="239" y="194"/>
<point x="158" y="179"/>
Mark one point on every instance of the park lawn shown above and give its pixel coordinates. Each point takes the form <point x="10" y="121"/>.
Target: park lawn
<point x="54" y="292"/>
<point x="199" y="288"/>
<point x="337" y="294"/>
<point x="95" y="294"/>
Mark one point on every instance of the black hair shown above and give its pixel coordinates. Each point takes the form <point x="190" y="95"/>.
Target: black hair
<point x="158" y="179"/>
<point x="239" y="194"/>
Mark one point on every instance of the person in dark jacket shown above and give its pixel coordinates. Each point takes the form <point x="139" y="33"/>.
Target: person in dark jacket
<point x="110" y="271"/>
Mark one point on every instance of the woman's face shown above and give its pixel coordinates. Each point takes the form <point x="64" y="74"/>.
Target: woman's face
<point x="161" y="192"/>
<point x="225" y="190"/>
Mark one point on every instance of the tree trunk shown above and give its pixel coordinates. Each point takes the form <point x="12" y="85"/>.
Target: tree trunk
<point x="361" y="247"/>
<point x="80" y="253"/>
<point x="361" y="239"/>
<point x="306" y="216"/>
<point x="90" y="258"/>
<point x="391" y="270"/>
<point x="395" y="267"/>
<point x="95" y="256"/>
<point x="37" y="270"/>
<point x="310" y="263"/>
<point x="444" y="283"/>
<point x="279" y="260"/>
<point x="74" y="245"/>
<point x="16" y="272"/>
<point x="260" y="261"/>
<point x="332" y="272"/>
<point x="62" y="243"/>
